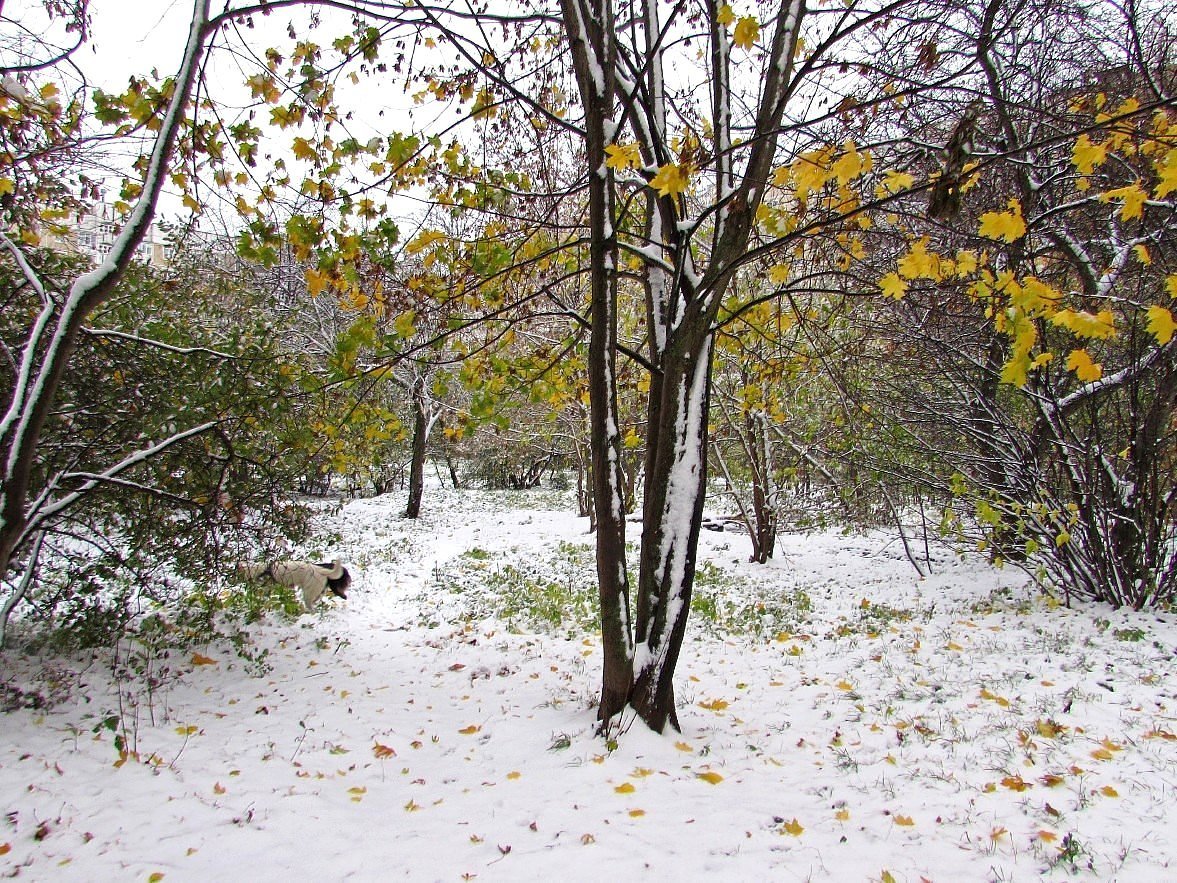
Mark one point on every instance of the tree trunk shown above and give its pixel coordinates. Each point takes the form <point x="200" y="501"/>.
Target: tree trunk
<point x="54" y="334"/>
<point x="422" y="423"/>
<point x="676" y="484"/>
<point x="590" y="27"/>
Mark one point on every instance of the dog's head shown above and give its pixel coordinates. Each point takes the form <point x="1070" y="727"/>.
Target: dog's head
<point x="338" y="585"/>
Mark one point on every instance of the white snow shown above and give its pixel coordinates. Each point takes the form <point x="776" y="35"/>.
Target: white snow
<point x="892" y="724"/>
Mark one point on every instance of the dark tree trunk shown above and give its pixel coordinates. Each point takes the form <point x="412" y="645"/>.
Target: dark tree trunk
<point x="421" y="426"/>
<point x="590" y="27"/>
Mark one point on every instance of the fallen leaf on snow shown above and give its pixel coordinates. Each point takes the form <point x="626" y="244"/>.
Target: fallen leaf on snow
<point x="710" y="776"/>
<point x="794" y="828"/>
<point x="201" y="659"/>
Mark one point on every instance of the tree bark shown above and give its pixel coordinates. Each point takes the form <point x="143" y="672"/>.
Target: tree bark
<point x="54" y="336"/>
<point x="421" y="427"/>
<point x="590" y="28"/>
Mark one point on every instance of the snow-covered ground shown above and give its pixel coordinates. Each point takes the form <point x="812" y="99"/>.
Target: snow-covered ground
<point x="842" y="720"/>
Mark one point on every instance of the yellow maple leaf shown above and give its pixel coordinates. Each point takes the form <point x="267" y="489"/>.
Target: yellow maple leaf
<point x="794" y="828"/>
<point x="725" y="16"/>
<point x="1161" y="324"/>
<point x="671" y="179"/>
<point x="779" y="274"/>
<point x="625" y="788"/>
<point x="966" y="263"/>
<point x="1052" y="780"/>
<point x="1171" y="284"/>
<point x="470" y="730"/>
<point x="383" y="751"/>
<point x="893" y="286"/>
<point x="1099" y="326"/>
<point x="714" y="705"/>
<point x="1086" y="155"/>
<point x="851" y="164"/>
<point x="842" y="815"/>
<point x="894" y="181"/>
<point x="710" y="776"/>
<point x="810" y="171"/>
<point x="1047" y="836"/>
<point x="1142" y="254"/>
<point x="1008" y="226"/>
<point x="1085" y="369"/>
<point x="623" y="156"/>
<point x="919" y="263"/>
<point x="1015" y="783"/>
<point x="1133" y="198"/>
<point x="905" y="821"/>
<point x="747" y="32"/>
<point x="1109" y="791"/>
<point x="1167" y="173"/>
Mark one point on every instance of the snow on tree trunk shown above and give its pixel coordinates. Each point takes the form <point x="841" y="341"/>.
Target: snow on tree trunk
<point x="675" y="489"/>
<point x="53" y="337"/>
<point x="589" y="24"/>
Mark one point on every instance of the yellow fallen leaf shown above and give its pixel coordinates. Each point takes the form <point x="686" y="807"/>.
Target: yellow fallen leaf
<point x="1050" y="780"/>
<point x="636" y="813"/>
<point x="1048" y="729"/>
<point x="383" y="751"/>
<point x="710" y="776"/>
<point x="1101" y="754"/>
<point x="201" y="659"/>
<point x="1047" y="836"/>
<point x="470" y="730"/>
<point x="187" y="731"/>
<point x="842" y="815"/>
<point x="513" y="775"/>
<point x="1109" y="791"/>
<point x="997" y="833"/>
<point x="714" y="705"/>
<point x="625" y="788"/>
<point x="1015" y="783"/>
<point x="952" y="645"/>
<point x="683" y="746"/>
<point x="844" y="686"/>
<point x="793" y="827"/>
<point x="905" y="821"/>
<point x="642" y="772"/>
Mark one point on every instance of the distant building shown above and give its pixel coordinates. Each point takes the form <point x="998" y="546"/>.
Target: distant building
<point x="93" y="233"/>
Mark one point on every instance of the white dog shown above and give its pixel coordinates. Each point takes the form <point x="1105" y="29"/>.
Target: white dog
<point x="310" y="579"/>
